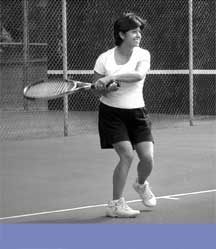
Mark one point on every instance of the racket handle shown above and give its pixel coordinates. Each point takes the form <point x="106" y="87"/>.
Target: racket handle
<point x="113" y="82"/>
<point x="110" y="83"/>
<point x="93" y="87"/>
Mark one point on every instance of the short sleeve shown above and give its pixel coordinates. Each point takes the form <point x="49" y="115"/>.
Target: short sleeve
<point x="145" y="56"/>
<point x="99" y="65"/>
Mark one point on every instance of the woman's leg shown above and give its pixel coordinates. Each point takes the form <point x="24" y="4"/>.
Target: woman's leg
<point x="144" y="168"/>
<point x="145" y="151"/>
<point x="125" y="152"/>
<point x="118" y="206"/>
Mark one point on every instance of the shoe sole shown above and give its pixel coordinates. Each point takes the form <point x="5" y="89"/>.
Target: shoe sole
<point x="149" y="206"/>
<point x="117" y="216"/>
<point x="121" y="216"/>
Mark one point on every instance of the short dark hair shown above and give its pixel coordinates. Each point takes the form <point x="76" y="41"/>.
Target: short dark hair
<point x="125" y="23"/>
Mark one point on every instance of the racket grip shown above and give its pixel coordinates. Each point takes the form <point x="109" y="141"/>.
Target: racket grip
<point x="93" y="87"/>
<point x="113" y="82"/>
<point x="110" y="83"/>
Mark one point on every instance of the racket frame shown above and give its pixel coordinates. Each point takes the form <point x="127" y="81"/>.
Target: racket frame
<point x="78" y="86"/>
<point x="75" y="88"/>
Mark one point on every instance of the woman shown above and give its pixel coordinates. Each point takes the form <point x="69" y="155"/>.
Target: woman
<point x="123" y="120"/>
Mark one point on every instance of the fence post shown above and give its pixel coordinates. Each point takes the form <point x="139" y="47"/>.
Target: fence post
<point x="64" y="41"/>
<point x="25" y="48"/>
<point x="191" y="94"/>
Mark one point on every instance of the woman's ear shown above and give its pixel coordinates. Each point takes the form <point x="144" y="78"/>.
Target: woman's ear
<point x="122" y="35"/>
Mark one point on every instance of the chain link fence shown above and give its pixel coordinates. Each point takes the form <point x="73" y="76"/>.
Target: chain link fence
<point x="31" y="49"/>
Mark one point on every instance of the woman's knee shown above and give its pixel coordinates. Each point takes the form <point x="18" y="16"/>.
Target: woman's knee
<point x="145" y="152"/>
<point x="125" y="152"/>
<point x="147" y="158"/>
<point x="146" y="164"/>
<point x="127" y="157"/>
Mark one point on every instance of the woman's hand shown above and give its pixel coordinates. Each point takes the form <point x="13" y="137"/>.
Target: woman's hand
<point x="106" y="84"/>
<point x="101" y="84"/>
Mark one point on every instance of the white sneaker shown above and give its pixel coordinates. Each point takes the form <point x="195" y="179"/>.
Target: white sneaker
<point x="145" y="193"/>
<point x="120" y="209"/>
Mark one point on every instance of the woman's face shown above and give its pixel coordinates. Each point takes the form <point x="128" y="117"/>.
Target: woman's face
<point x="132" y="37"/>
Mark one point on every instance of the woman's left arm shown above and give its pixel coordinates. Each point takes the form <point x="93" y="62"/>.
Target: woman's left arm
<point x="130" y="77"/>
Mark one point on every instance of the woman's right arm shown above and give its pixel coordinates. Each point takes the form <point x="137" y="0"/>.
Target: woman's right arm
<point x="100" y="90"/>
<point x="97" y="76"/>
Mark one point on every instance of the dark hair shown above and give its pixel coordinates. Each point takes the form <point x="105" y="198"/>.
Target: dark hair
<point x="125" y="23"/>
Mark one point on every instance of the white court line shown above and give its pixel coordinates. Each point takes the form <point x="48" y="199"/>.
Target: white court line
<point x="101" y="205"/>
<point x="171" y="198"/>
<point x="178" y="71"/>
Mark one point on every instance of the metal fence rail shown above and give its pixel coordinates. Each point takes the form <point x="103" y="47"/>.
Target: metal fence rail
<point x="55" y="39"/>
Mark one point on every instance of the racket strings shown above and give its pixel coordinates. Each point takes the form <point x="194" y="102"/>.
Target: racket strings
<point x="64" y="87"/>
<point x="49" y="89"/>
<point x="55" y="88"/>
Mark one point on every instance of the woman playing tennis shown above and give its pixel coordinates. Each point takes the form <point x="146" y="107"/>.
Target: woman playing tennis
<point x="124" y="122"/>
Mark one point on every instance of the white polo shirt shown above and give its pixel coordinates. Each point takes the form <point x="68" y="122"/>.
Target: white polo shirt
<point x="129" y="95"/>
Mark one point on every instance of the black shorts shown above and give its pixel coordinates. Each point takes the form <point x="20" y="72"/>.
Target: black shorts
<point x="116" y="125"/>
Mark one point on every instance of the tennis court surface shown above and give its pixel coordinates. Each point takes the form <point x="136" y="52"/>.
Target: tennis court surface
<point x="68" y="180"/>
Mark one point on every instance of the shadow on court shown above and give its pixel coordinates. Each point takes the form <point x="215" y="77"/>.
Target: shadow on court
<point x="68" y="180"/>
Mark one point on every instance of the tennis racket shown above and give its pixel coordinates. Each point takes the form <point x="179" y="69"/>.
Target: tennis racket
<point x="51" y="89"/>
